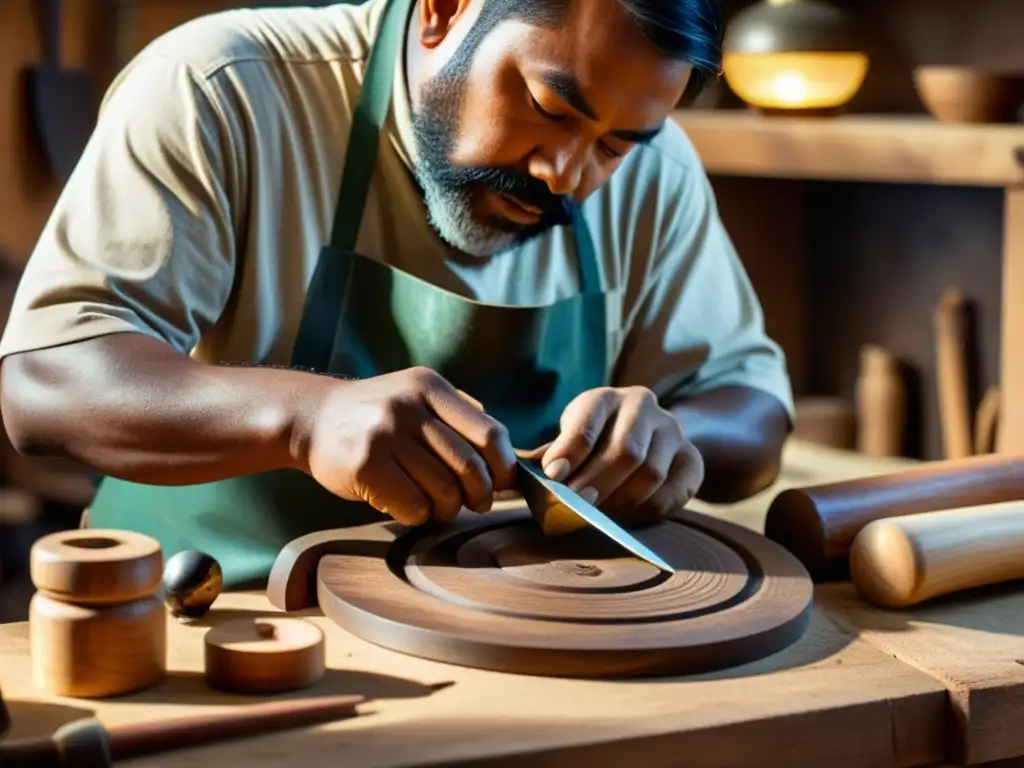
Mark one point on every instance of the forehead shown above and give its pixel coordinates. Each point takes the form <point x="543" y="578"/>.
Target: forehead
<point x="599" y="43"/>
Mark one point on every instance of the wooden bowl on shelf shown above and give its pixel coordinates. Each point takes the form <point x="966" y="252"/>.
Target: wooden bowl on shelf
<point x="966" y="95"/>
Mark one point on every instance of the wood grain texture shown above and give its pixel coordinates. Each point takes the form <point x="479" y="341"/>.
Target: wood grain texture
<point x="856" y="148"/>
<point x="492" y="591"/>
<point x="829" y="699"/>
<point x="819" y="523"/>
<point x="972" y="642"/>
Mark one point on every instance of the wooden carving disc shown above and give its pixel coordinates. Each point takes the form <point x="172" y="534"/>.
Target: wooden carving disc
<point x="492" y="591"/>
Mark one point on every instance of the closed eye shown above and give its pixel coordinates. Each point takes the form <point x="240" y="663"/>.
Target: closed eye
<point x="544" y="113"/>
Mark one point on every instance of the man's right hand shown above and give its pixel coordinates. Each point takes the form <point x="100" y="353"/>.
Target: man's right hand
<point x="410" y="445"/>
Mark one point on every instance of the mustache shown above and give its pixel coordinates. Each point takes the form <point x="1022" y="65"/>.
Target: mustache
<point x="555" y="209"/>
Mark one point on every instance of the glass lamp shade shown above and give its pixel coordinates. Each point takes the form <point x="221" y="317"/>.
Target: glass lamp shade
<point x="804" y="81"/>
<point x="795" y="55"/>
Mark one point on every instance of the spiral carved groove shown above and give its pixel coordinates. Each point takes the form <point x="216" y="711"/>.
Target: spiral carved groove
<point x="491" y="591"/>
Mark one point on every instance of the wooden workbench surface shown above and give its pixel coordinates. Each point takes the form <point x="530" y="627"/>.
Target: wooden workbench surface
<point x="862" y="688"/>
<point x="972" y="643"/>
<point x="830" y="699"/>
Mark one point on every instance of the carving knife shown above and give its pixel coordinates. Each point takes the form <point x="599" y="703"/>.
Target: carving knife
<point x="559" y="509"/>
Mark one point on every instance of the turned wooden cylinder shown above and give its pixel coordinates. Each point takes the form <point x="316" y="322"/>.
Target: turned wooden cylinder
<point x="881" y="403"/>
<point x="96" y="627"/>
<point x="819" y="523"/>
<point x="951" y="363"/>
<point x="903" y="561"/>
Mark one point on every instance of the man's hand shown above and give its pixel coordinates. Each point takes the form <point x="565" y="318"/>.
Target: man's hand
<point x="409" y="444"/>
<point x="621" y="451"/>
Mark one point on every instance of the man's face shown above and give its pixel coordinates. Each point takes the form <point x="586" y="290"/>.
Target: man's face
<point x="516" y="128"/>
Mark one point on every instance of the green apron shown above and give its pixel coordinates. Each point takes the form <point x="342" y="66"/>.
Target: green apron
<point x="361" y="319"/>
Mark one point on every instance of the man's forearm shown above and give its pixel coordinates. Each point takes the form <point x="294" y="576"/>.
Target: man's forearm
<point x="129" y="406"/>
<point x="740" y="432"/>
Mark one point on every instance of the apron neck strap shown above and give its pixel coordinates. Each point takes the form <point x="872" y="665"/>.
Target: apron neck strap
<point x="586" y="257"/>
<point x="368" y="117"/>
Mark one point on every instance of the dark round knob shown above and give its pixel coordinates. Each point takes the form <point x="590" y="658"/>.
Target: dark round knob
<point x="192" y="581"/>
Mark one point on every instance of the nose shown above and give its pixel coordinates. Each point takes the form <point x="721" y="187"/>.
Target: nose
<point x="560" y="167"/>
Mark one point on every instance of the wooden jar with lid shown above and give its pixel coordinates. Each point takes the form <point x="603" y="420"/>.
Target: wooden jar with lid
<point x="96" y="626"/>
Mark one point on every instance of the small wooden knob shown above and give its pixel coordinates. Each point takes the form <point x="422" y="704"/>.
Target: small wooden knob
<point x="264" y="655"/>
<point x="96" y="566"/>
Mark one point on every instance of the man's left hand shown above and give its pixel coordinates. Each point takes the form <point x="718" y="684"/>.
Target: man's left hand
<point x="624" y="453"/>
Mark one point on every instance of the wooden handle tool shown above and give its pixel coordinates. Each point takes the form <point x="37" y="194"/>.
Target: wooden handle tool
<point x="819" y="523"/>
<point x="903" y="561"/>
<point x="87" y="743"/>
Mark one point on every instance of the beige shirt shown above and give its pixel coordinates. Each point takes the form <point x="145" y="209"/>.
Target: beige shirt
<point x="199" y="207"/>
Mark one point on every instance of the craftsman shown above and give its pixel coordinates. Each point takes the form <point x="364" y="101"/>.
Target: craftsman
<point x="534" y="262"/>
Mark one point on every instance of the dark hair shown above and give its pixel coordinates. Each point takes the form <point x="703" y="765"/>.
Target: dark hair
<point x="685" y="30"/>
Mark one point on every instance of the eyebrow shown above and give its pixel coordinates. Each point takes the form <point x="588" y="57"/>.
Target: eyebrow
<point x="566" y="86"/>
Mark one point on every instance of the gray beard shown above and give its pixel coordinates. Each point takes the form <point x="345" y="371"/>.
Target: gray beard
<point x="450" y="212"/>
<point x="449" y="206"/>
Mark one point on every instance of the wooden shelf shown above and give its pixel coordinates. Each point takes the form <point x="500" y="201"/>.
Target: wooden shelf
<point x="861" y="148"/>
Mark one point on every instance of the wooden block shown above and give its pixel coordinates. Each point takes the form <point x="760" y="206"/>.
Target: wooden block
<point x="972" y="643"/>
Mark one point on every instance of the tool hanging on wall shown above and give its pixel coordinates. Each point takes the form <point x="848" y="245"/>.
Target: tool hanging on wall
<point x="62" y="101"/>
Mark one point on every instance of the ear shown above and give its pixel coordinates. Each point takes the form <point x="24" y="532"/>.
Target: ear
<point x="437" y="17"/>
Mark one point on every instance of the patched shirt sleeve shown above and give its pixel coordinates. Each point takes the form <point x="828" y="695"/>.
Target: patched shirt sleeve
<point x="699" y="324"/>
<point x="141" y="238"/>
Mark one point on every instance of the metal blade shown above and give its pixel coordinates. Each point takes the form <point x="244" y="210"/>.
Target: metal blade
<point x="535" y="480"/>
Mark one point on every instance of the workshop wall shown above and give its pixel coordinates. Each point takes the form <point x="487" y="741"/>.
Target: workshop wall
<point x="839" y="265"/>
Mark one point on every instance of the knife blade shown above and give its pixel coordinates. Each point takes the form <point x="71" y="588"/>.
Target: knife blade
<point x="547" y="500"/>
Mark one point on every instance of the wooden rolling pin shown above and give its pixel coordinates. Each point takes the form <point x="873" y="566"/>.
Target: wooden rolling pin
<point x="819" y="523"/>
<point x="903" y="561"/>
<point x="87" y="743"/>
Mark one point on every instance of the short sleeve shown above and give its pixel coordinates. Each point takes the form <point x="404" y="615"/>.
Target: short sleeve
<point x="141" y="238"/>
<point x="699" y="324"/>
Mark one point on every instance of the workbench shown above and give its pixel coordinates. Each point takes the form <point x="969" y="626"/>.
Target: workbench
<point x="933" y="686"/>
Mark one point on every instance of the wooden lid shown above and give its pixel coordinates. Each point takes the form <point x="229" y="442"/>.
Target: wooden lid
<point x="96" y="566"/>
<point x="264" y="655"/>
